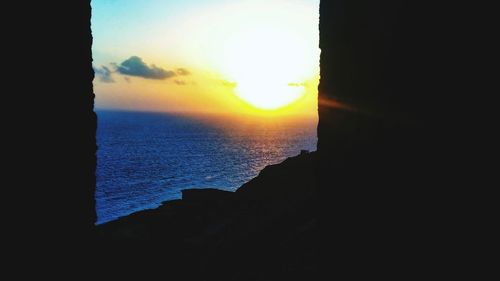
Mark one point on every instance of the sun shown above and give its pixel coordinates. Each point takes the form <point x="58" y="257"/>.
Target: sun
<point x="266" y="64"/>
<point x="267" y="55"/>
<point x="268" y="95"/>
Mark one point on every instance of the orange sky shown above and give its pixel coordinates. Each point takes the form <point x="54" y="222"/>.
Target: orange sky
<point x="237" y="57"/>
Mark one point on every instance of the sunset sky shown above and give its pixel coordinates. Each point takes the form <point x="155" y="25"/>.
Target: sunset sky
<point x="207" y="56"/>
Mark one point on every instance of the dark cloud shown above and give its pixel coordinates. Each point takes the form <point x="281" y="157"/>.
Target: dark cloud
<point x="104" y="74"/>
<point x="134" y="66"/>
<point x="183" y="71"/>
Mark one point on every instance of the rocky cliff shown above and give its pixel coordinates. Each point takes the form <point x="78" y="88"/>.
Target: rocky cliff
<point x="266" y="229"/>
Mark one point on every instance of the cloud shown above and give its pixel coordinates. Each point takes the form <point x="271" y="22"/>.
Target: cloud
<point x="183" y="72"/>
<point x="134" y="66"/>
<point x="104" y="74"/>
<point x="180" y="82"/>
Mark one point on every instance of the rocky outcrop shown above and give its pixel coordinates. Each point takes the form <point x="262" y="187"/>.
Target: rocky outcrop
<point x="267" y="228"/>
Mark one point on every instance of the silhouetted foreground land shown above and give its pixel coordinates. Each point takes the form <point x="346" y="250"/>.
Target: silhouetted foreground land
<point x="266" y="229"/>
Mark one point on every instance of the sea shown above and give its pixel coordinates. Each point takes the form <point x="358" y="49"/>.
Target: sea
<point x="144" y="158"/>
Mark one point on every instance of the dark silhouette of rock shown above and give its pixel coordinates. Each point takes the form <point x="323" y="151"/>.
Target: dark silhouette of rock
<point x="233" y="235"/>
<point x="205" y="195"/>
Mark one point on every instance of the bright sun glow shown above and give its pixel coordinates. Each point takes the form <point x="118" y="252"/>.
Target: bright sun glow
<point x="257" y="57"/>
<point x="266" y="65"/>
<point x="267" y="49"/>
<point x="269" y="95"/>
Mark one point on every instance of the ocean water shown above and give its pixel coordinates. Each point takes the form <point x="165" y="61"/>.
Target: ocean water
<point x="144" y="159"/>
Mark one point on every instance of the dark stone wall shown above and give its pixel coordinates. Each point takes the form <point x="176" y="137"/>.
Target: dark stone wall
<point x="383" y="167"/>
<point x="52" y="144"/>
<point x="75" y="164"/>
<point x="373" y="63"/>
